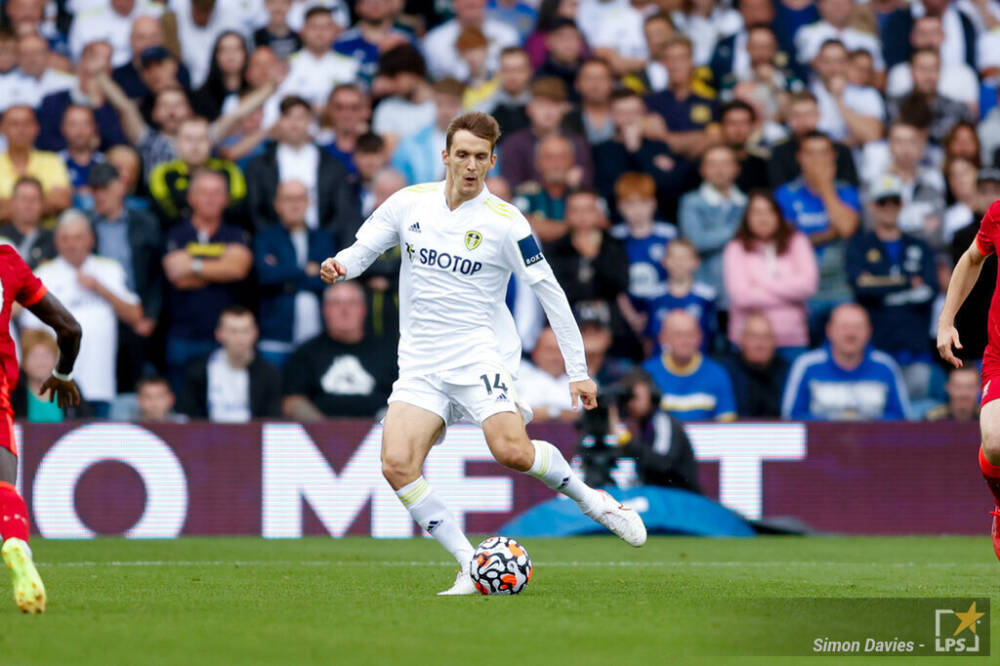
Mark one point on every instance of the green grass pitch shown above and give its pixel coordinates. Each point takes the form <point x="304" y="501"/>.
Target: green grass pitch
<point x="364" y="601"/>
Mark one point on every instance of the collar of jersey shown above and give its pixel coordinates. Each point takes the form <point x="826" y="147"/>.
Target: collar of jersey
<point x="682" y="371"/>
<point x="479" y="198"/>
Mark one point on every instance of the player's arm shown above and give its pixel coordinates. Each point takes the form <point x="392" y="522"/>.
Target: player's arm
<point x="68" y="334"/>
<point x="378" y="234"/>
<point x="963" y="279"/>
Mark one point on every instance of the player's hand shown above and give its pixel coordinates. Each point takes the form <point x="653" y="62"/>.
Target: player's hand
<point x="585" y="392"/>
<point x="63" y="393"/>
<point x="332" y="270"/>
<point x="947" y="338"/>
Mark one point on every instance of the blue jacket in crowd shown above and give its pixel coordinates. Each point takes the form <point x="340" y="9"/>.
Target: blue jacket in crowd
<point x="820" y="390"/>
<point x="280" y="277"/>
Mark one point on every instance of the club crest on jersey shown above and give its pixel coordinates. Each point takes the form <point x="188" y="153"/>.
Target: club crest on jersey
<point x="473" y="239"/>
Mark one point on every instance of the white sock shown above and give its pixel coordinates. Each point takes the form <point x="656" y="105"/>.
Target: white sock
<point x="551" y="468"/>
<point x="431" y="514"/>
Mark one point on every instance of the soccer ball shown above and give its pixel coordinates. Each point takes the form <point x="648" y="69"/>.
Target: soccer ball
<point x="500" y="565"/>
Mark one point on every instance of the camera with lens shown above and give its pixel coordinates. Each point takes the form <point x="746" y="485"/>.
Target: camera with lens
<point x="598" y="445"/>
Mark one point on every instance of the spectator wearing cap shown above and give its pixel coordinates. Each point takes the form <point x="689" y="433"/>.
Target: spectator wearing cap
<point x="146" y="33"/>
<point x="409" y="106"/>
<point x="316" y="69"/>
<point x="439" y="43"/>
<point x="21" y="159"/>
<point x="131" y="237"/>
<point x="546" y="111"/>
<point x="169" y="181"/>
<point x="418" y="157"/>
<point x="53" y="108"/>
<point x="24" y="229"/>
<point x="681" y="114"/>
<point x="894" y="276"/>
<point x="294" y="156"/>
<point x="631" y="150"/>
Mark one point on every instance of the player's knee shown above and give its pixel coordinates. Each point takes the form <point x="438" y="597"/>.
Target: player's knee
<point x="991" y="446"/>
<point x="399" y="468"/>
<point x="514" y="452"/>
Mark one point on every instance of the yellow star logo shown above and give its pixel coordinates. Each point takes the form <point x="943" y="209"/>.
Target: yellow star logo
<point x="968" y="619"/>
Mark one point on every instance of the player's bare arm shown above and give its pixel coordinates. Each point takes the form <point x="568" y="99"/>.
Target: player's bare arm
<point x="963" y="279"/>
<point x="68" y="333"/>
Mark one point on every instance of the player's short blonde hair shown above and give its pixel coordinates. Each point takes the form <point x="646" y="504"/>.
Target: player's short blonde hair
<point x="480" y="124"/>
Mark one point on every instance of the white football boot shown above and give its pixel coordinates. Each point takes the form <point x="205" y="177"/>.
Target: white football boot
<point x="463" y="585"/>
<point x="618" y="518"/>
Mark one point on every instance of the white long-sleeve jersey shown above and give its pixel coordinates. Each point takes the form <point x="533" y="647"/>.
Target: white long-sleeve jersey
<point x="453" y="282"/>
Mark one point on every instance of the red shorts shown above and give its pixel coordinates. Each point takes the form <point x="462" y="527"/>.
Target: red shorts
<point x="990" y="376"/>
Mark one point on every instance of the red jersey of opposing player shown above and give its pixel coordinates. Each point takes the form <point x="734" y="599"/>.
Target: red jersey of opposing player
<point x="17" y="283"/>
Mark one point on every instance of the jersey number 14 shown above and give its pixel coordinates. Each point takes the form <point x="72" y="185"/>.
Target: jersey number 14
<point x="497" y="384"/>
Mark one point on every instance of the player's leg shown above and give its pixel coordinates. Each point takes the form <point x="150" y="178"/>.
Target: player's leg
<point x="989" y="457"/>
<point x="509" y="443"/>
<point x="29" y="592"/>
<point x="408" y="434"/>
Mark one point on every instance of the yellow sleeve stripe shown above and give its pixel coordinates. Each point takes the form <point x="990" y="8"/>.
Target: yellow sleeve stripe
<point x="500" y="209"/>
<point x="423" y="187"/>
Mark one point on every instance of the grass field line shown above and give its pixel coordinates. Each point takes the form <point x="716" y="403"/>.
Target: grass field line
<point x="433" y="563"/>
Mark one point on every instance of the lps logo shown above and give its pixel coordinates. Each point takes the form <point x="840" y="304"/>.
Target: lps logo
<point x="949" y="639"/>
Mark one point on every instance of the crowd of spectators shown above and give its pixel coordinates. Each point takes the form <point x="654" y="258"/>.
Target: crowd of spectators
<point x="756" y="202"/>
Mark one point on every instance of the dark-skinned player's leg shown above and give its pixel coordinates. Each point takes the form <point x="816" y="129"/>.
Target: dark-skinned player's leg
<point x="29" y="591"/>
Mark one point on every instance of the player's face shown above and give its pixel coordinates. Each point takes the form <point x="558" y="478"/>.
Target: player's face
<point x="467" y="163"/>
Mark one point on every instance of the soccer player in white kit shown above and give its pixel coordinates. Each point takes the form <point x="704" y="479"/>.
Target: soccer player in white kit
<point x="458" y="347"/>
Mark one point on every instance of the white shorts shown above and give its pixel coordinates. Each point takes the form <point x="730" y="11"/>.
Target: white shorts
<point x="469" y="393"/>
